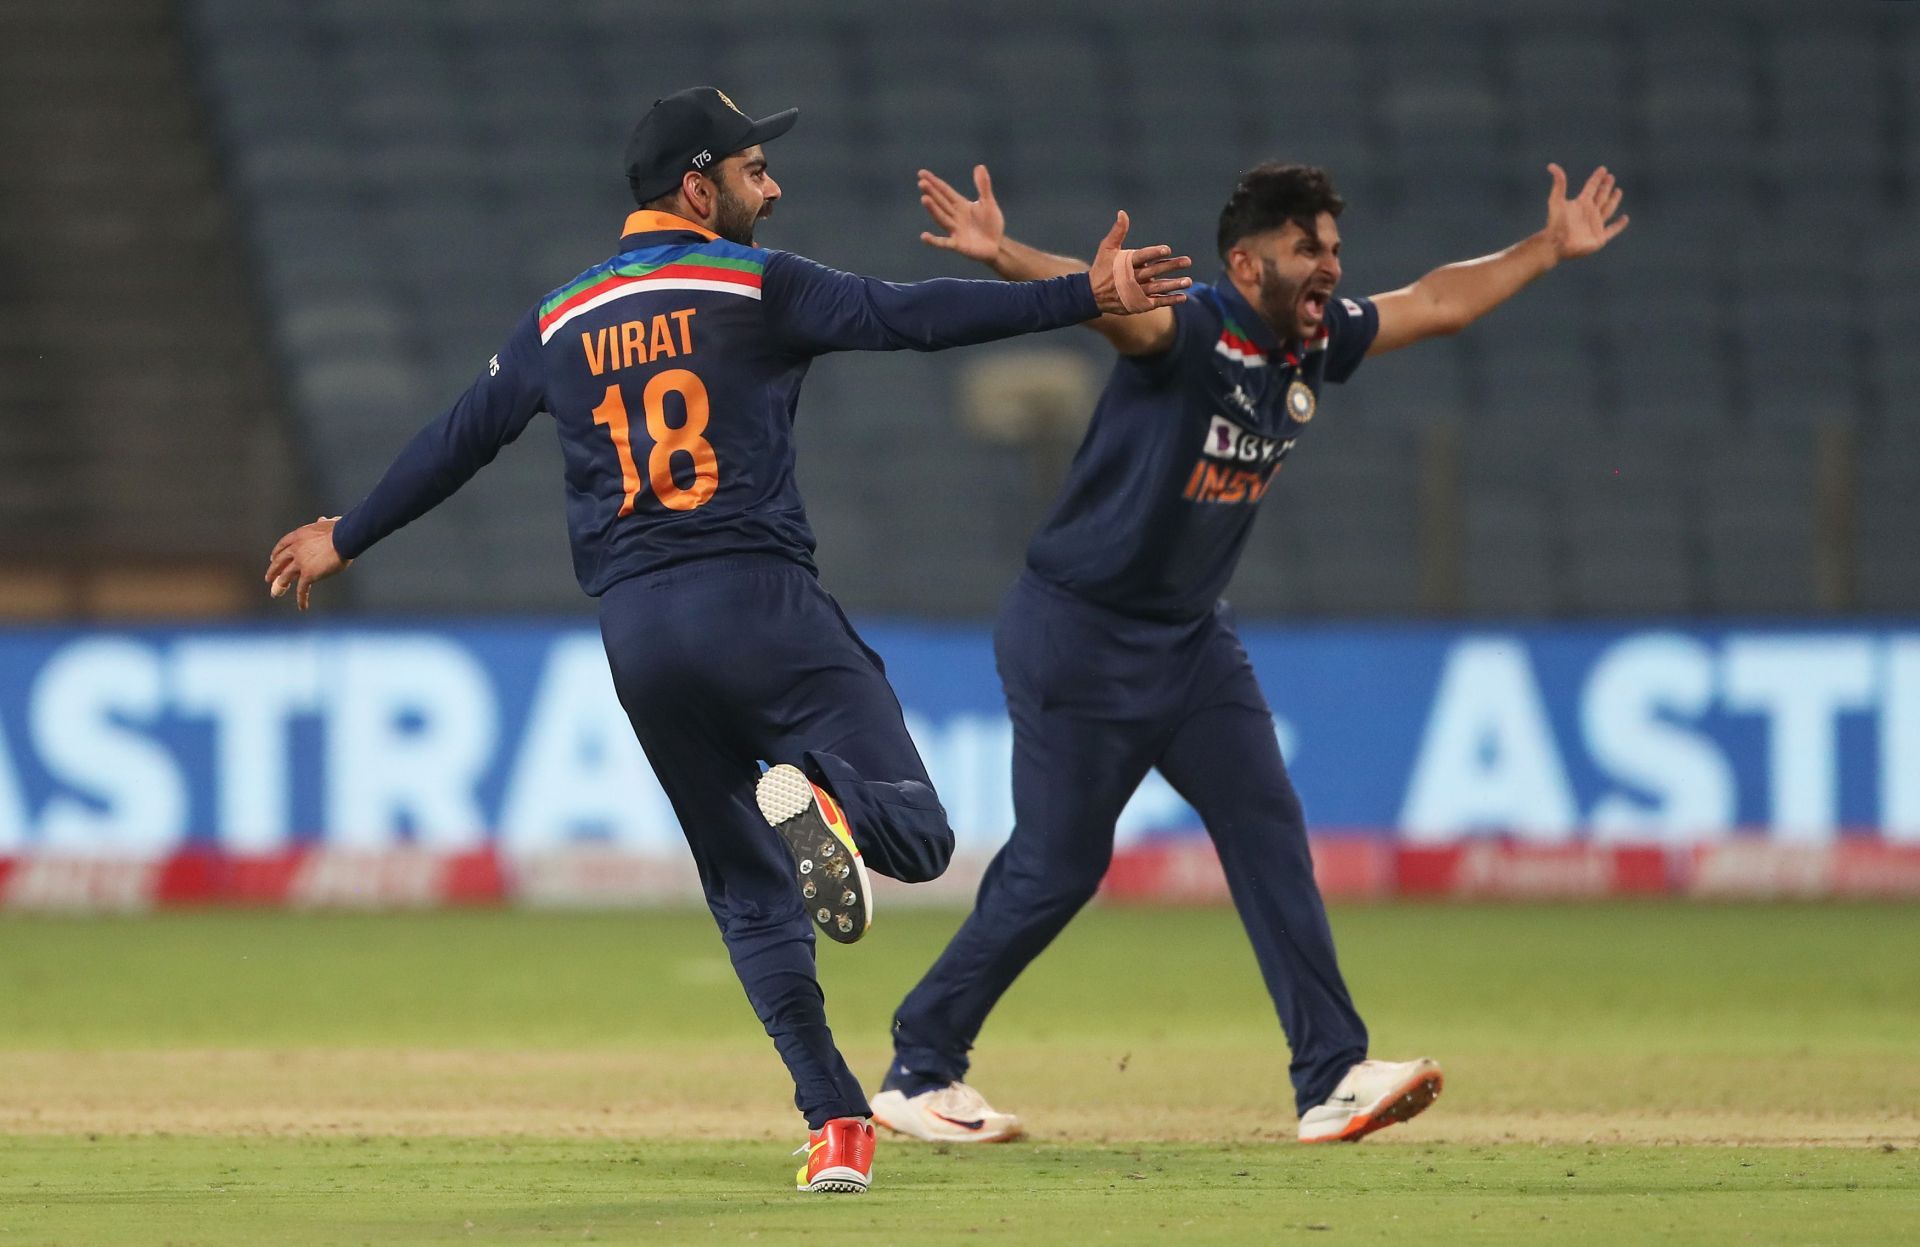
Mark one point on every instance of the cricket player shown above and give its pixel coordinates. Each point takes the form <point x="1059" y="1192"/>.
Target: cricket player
<point x="672" y="372"/>
<point x="1117" y="655"/>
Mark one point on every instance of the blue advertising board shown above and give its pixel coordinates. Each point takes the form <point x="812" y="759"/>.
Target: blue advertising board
<point x="144" y="740"/>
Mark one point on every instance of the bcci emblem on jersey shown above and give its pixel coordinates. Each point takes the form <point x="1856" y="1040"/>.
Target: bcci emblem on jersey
<point x="1300" y="401"/>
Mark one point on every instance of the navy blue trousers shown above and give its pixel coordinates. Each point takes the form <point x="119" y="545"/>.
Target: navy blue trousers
<point x="1097" y="699"/>
<point x="727" y="662"/>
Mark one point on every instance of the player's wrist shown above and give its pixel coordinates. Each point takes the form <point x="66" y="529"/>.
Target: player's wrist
<point x="333" y="544"/>
<point x="1006" y="260"/>
<point x="1105" y="301"/>
<point x="1543" y="249"/>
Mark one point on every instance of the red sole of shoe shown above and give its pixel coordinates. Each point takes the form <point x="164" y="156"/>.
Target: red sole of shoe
<point x="1405" y="1104"/>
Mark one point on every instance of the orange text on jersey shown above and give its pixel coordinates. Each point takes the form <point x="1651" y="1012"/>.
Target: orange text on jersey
<point x="1213" y="483"/>
<point x="634" y="342"/>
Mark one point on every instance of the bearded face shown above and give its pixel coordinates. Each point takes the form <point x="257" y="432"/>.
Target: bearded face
<point x="1296" y="275"/>
<point x="1281" y="302"/>
<point x="744" y="195"/>
<point x="734" y="218"/>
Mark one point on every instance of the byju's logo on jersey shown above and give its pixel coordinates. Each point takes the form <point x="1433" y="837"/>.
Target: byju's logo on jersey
<point x="1234" y="465"/>
<point x="1227" y="440"/>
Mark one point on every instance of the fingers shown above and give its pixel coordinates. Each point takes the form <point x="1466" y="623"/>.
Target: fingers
<point x="933" y="184"/>
<point x="1612" y="204"/>
<point x="941" y="206"/>
<point x="940" y="241"/>
<point x="1614" y="229"/>
<point x="983" y="183"/>
<point x="1143" y="256"/>
<point x="941" y="201"/>
<point x="1603" y="188"/>
<point x="1117" y="235"/>
<point x="1168" y="300"/>
<point x="1151" y="277"/>
<point x="284" y="567"/>
<point x="1594" y="182"/>
<point x="1559" y="176"/>
<point x="1172" y="264"/>
<point x="942" y="215"/>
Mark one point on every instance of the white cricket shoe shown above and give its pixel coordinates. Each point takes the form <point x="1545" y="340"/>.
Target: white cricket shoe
<point x="1372" y="1095"/>
<point x="955" y="1113"/>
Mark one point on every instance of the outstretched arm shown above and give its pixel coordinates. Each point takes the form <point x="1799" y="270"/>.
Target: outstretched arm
<point x="816" y="309"/>
<point x="1449" y="299"/>
<point x="977" y="229"/>
<point x="441" y="458"/>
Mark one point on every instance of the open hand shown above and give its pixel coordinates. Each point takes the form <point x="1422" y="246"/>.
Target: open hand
<point x="974" y="227"/>
<point x="302" y="557"/>
<point x="1583" y="224"/>
<point x="1130" y="281"/>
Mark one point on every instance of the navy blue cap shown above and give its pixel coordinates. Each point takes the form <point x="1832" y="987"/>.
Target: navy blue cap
<point x="692" y="129"/>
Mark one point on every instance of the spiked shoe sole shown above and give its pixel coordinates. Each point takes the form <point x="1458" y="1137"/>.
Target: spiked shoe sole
<point x="827" y="867"/>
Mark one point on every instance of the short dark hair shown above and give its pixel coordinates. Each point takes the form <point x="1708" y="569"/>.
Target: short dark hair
<point x="1270" y="195"/>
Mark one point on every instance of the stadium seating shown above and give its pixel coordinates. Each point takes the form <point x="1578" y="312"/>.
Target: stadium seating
<point x="136" y="430"/>
<point x="1636" y="437"/>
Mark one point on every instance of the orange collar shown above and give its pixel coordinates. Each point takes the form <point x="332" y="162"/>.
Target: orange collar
<point x="646" y="221"/>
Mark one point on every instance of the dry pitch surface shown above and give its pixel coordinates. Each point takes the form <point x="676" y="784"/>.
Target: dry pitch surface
<point x="1615" y="1073"/>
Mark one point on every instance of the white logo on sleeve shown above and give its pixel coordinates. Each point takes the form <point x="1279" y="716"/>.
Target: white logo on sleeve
<point x="493" y="366"/>
<point x="1239" y="397"/>
<point x="1353" y="309"/>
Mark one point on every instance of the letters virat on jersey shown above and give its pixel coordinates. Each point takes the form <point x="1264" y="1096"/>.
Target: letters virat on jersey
<point x="489" y="762"/>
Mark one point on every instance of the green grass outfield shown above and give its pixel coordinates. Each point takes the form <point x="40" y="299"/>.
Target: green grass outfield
<point x="1616" y="1073"/>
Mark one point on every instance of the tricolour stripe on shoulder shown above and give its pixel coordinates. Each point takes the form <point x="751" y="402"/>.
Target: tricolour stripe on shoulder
<point x="640" y="263"/>
<point x="1238" y="347"/>
<point x="713" y="267"/>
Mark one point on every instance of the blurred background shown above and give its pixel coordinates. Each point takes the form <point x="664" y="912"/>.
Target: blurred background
<point x="248" y="246"/>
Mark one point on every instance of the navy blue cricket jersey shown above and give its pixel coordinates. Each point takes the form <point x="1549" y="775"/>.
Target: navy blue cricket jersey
<point x="672" y="372"/>
<point x="1183" y="445"/>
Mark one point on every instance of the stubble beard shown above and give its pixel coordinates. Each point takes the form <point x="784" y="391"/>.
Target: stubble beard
<point x="1279" y="301"/>
<point x="733" y="220"/>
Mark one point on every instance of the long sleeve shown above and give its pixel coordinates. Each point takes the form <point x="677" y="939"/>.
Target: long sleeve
<point x="815" y="309"/>
<point x="445" y="454"/>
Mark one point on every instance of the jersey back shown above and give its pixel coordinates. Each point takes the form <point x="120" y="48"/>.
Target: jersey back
<point x="675" y="410"/>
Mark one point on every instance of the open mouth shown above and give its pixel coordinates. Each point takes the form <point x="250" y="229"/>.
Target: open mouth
<point x="1313" y="304"/>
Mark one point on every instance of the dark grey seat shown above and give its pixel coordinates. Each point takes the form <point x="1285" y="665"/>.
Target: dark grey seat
<point x="1758" y="525"/>
<point x="1886" y="519"/>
